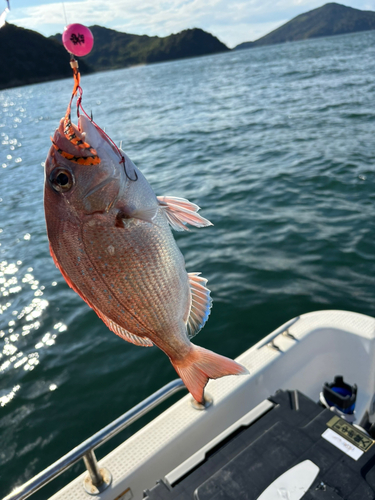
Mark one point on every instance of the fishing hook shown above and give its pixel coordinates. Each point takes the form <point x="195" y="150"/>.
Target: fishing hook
<point x="126" y="173"/>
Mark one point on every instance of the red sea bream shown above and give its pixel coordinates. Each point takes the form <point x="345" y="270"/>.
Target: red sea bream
<point x="111" y="238"/>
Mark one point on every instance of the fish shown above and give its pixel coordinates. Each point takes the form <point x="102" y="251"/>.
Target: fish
<point x="111" y="238"/>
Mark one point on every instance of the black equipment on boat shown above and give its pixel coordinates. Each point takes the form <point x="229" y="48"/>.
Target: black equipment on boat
<point x="340" y="395"/>
<point x="295" y="432"/>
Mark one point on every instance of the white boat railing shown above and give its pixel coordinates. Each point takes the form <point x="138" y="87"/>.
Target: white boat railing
<point x="98" y="479"/>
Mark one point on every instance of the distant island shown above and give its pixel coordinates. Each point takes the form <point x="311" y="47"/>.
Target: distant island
<point x="113" y="49"/>
<point x="331" y="19"/>
<point x="28" y="57"/>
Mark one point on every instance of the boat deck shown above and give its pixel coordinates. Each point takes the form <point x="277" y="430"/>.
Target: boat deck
<point x="302" y="354"/>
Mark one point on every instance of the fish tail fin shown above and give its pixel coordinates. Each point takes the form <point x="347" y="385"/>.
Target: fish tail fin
<point x="200" y="365"/>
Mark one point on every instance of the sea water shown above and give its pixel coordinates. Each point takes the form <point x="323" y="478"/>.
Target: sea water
<point x="275" y="144"/>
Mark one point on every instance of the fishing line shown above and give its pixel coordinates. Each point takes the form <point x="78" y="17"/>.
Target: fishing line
<point x="79" y="106"/>
<point x="78" y="40"/>
<point x="63" y="6"/>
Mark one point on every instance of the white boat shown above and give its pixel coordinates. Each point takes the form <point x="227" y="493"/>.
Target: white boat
<point x="300" y="356"/>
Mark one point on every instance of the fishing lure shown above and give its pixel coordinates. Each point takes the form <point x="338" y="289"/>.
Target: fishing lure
<point x="78" y="41"/>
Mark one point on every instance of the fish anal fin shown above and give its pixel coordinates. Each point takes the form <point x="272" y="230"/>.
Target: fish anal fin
<point x="180" y="212"/>
<point x="200" y="304"/>
<point x="124" y="334"/>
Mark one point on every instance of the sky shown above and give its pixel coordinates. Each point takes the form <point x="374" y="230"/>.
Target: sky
<point x="232" y="21"/>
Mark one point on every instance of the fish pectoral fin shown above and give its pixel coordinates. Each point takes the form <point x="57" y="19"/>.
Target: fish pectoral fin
<point x="180" y="212"/>
<point x="201" y="303"/>
<point x="147" y="214"/>
<point x="124" y="334"/>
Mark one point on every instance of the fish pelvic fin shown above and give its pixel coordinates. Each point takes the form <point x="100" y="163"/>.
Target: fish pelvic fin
<point x="180" y="212"/>
<point x="201" y="304"/>
<point x="200" y="365"/>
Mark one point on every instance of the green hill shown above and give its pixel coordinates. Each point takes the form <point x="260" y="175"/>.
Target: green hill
<point x="113" y="49"/>
<point x="28" y="57"/>
<point x="331" y="19"/>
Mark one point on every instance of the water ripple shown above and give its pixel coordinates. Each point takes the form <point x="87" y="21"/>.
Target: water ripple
<point x="274" y="143"/>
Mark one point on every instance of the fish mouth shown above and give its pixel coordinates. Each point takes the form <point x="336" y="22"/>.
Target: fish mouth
<point x="73" y="142"/>
<point x="69" y="142"/>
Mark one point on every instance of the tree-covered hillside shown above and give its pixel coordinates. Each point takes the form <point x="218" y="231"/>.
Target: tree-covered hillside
<point x="114" y="49"/>
<point x="28" y="57"/>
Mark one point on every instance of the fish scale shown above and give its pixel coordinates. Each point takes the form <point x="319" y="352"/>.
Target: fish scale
<point x="111" y="238"/>
<point x="149" y="272"/>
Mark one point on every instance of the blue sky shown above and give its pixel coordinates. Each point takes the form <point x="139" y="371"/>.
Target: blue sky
<point x="232" y="21"/>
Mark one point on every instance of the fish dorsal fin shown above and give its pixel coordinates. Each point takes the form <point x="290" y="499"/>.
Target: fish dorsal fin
<point x="201" y="303"/>
<point x="180" y="212"/>
<point x="124" y="334"/>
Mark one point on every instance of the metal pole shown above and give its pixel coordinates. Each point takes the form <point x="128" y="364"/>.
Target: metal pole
<point x="95" y="480"/>
<point x="207" y="401"/>
<point x="93" y="468"/>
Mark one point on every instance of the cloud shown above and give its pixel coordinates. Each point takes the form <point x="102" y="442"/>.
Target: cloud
<point x="232" y="21"/>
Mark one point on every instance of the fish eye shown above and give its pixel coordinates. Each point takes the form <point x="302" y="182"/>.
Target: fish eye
<point x="61" y="180"/>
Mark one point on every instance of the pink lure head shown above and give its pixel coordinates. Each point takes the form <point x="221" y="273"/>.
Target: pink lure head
<point x="77" y="39"/>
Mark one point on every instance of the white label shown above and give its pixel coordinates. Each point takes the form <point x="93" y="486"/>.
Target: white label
<point x="342" y="444"/>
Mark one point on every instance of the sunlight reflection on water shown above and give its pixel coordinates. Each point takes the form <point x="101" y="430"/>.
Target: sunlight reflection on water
<point x="25" y="321"/>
